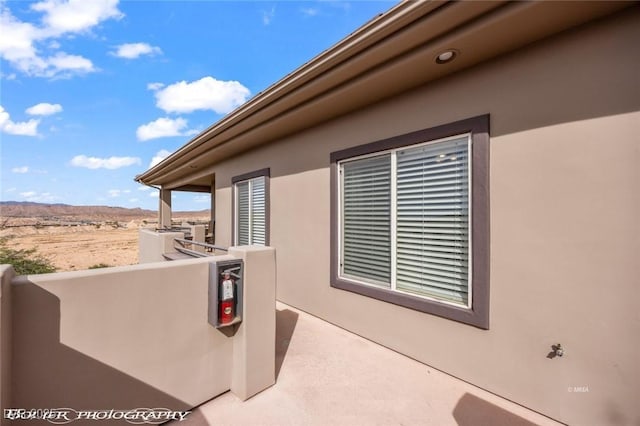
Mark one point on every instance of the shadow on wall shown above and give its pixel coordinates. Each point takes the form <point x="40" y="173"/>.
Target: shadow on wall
<point x="286" y="321"/>
<point x="48" y="374"/>
<point x="473" y="411"/>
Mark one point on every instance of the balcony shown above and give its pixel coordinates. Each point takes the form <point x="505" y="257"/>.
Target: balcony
<point x="327" y="375"/>
<point x="137" y="336"/>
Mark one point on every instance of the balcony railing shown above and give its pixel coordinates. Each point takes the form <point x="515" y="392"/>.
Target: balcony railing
<point x="182" y="245"/>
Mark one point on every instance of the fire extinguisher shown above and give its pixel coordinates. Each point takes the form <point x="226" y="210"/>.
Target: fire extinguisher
<point x="226" y="304"/>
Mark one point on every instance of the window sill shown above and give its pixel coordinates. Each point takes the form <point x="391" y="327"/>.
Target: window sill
<point x="469" y="316"/>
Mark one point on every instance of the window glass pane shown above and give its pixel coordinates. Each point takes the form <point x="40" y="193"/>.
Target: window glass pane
<point x="433" y="220"/>
<point x="366" y="220"/>
<point x="258" y="211"/>
<point x="242" y="191"/>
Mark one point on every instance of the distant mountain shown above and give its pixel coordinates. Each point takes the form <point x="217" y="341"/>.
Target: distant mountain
<point x="30" y="209"/>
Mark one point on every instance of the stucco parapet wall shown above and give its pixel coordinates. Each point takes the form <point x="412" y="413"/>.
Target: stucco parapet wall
<point x="6" y="276"/>
<point x="142" y="332"/>
<point x="153" y="245"/>
<point x="254" y="347"/>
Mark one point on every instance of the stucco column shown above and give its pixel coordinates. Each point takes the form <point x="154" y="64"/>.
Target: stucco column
<point x="152" y="246"/>
<point x="6" y="276"/>
<point x="164" y="209"/>
<point x="254" y="344"/>
<point x="212" y="223"/>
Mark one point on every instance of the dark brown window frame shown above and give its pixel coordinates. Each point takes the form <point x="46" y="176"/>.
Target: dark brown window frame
<point x="266" y="173"/>
<point x="478" y="314"/>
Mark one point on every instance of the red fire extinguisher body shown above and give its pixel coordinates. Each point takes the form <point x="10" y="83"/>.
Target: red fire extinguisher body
<point x="227" y="300"/>
<point x="225" y="313"/>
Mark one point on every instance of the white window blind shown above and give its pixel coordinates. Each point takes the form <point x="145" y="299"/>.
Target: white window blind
<point x="433" y="220"/>
<point x="242" y="223"/>
<point x="423" y="230"/>
<point x="250" y="212"/>
<point x="366" y="219"/>
<point x="258" y="231"/>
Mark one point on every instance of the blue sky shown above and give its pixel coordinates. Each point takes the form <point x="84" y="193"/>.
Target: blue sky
<point x="92" y="92"/>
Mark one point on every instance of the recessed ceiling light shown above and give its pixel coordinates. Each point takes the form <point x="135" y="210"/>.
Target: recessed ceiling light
<point x="446" y="56"/>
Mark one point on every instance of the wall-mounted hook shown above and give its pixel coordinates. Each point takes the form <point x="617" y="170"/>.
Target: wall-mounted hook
<point x="556" y="351"/>
<point x="559" y="350"/>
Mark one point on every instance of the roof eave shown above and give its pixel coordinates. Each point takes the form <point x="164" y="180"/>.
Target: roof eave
<point x="383" y="42"/>
<point x="374" y="30"/>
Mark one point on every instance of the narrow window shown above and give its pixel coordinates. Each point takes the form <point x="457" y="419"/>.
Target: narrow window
<point x="250" y="208"/>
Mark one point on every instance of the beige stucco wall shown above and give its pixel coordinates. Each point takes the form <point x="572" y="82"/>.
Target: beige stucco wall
<point x="152" y="245"/>
<point x="565" y="198"/>
<point x="254" y="351"/>
<point x="138" y="336"/>
<point x="116" y="337"/>
<point x="6" y="275"/>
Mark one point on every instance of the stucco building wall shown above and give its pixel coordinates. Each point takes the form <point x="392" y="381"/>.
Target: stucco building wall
<point x="564" y="240"/>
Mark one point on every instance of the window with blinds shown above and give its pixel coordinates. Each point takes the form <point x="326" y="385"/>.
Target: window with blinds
<point x="432" y="231"/>
<point x="250" y="220"/>
<point x="243" y="236"/>
<point x="257" y="221"/>
<point x="366" y="213"/>
<point x="405" y="220"/>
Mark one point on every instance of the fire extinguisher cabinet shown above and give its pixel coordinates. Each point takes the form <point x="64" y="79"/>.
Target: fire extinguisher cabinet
<point x="225" y="292"/>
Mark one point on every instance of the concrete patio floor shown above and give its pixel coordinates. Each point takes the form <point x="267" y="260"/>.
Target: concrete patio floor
<point x="326" y="375"/>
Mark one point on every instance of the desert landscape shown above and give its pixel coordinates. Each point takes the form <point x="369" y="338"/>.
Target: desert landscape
<point x="80" y="237"/>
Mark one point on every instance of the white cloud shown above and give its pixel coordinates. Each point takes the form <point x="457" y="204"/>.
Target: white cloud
<point x="16" y="44"/>
<point x="161" y="128"/>
<point x="64" y="62"/>
<point x="8" y="77"/>
<point x="11" y="190"/>
<point x="155" y="86"/>
<point x="204" y="94"/>
<point x="133" y="200"/>
<point x="110" y="163"/>
<point x="21" y="170"/>
<point x="160" y="155"/>
<point x="268" y="15"/>
<point x="144" y="188"/>
<point x="309" y="11"/>
<point x="39" y="197"/>
<point x="344" y="5"/>
<point x="32" y="49"/>
<point x="44" y="109"/>
<point x="117" y="192"/>
<point x="135" y="50"/>
<point x="23" y="128"/>
<point x="154" y="194"/>
<point x="202" y="199"/>
<point x="75" y="16"/>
